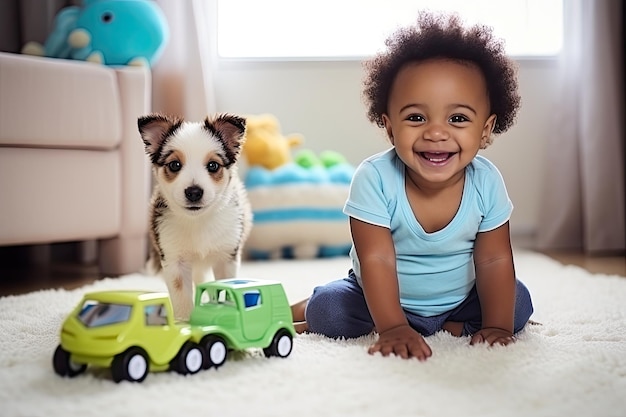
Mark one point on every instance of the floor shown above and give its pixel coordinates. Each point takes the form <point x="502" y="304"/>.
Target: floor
<point x="609" y="264"/>
<point x="19" y="275"/>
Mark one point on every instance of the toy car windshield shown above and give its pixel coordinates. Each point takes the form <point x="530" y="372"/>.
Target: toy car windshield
<point x="221" y="297"/>
<point x="94" y="313"/>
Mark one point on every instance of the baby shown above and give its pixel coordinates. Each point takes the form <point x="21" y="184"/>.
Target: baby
<point x="430" y="217"/>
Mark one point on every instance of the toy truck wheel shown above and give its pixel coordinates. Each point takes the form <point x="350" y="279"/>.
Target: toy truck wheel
<point x="281" y="344"/>
<point x="64" y="366"/>
<point x="216" y="351"/>
<point x="190" y="359"/>
<point x="131" y="365"/>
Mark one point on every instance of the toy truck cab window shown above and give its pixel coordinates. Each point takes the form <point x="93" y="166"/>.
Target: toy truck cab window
<point x="252" y="298"/>
<point x="225" y="297"/>
<point x="216" y="297"/>
<point x="205" y="298"/>
<point x="95" y="314"/>
<point x="156" y="315"/>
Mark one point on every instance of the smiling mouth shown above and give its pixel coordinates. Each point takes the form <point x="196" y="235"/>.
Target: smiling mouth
<point x="437" y="157"/>
<point x="194" y="208"/>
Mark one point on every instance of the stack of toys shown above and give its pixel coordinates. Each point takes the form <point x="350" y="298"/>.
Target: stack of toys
<point x="297" y="203"/>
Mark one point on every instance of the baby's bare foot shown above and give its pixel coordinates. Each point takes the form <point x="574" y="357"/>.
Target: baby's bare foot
<point x="298" y="309"/>
<point x="455" y="328"/>
<point x="301" y="327"/>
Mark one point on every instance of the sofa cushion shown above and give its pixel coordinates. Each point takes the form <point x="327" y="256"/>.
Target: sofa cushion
<point x="43" y="98"/>
<point x="55" y="195"/>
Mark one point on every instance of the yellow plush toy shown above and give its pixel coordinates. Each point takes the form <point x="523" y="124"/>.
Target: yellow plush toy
<point x="265" y="145"/>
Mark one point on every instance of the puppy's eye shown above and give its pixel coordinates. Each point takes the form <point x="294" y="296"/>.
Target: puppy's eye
<point x="213" y="167"/>
<point x="175" y="166"/>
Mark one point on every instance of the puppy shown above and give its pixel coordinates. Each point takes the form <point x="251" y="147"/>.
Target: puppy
<point x="200" y="215"/>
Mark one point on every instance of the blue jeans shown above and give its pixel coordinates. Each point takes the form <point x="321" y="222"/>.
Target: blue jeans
<point x="338" y="309"/>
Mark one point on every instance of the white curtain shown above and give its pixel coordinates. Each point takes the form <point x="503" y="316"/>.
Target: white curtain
<point x="583" y="198"/>
<point x="182" y="77"/>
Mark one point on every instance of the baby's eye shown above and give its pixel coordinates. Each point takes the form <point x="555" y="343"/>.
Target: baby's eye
<point x="175" y="166"/>
<point x="458" y="118"/>
<point x="213" y="167"/>
<point x="415" y="118"/>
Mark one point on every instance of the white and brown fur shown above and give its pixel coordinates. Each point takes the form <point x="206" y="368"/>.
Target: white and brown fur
<point x="200" y="215"/>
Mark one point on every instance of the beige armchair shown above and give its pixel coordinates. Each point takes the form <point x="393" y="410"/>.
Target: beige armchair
<point x="72" y="164"/>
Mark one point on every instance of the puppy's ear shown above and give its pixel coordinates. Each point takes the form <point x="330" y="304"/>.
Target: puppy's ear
<point x="155" y="129"/>
<point x="230" y="130"/>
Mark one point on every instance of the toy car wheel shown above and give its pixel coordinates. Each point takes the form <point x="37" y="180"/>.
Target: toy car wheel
<point x="64" y="366"/>
<point x="281" y="345"/>
<point x="190" y="359"/>
<point x="131" y="365"/>
<point x="216" y="351"/>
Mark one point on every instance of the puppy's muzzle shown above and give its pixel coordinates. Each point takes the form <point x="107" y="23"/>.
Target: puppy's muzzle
<point x="194" y="193"/>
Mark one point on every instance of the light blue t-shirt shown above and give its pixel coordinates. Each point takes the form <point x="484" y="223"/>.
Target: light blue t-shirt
<point x="435" y="270"/>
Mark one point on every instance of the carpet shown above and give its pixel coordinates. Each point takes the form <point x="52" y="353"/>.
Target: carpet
<point x="573" y="364"/>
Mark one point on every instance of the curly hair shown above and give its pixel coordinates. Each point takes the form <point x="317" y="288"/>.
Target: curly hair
<point x="443" y="36"/>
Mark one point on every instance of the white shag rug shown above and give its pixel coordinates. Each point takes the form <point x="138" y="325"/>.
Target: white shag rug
<point x="574" y="364"/>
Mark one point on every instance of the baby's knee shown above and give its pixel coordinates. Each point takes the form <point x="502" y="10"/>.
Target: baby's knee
<point x="523" y="306"/>
<point x="322" y="310"/>
<point x="522" y="296"/>
<point x="327" y="313"/>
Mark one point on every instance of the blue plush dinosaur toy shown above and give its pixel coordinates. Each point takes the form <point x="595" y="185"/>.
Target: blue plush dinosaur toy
<point x="110" y="32"/>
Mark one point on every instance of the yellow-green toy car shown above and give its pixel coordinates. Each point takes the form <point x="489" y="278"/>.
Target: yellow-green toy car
<point x="134" y="332"/>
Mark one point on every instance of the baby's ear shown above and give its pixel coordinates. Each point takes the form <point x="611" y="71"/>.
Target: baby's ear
<point x="388" y="129"/>
<point x="155" y="129"/>
<point x="487" y="133"/>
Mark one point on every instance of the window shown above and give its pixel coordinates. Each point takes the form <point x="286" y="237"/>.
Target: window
<point x="224" y="297"/>
<point x="95" y="314"/>
<point x="156" y="315"/>
<point x="216" y="296"/>
<point x="353" y="29"/>
<point x="205" y="298"/>
<point x="252" y="298"/>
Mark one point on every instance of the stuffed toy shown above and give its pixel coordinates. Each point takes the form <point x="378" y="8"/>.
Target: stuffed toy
<point x="298" y="208"/>
<point x="297" y="202"/>
<point x="265" y="145"/>
<point x="109" y="32"/>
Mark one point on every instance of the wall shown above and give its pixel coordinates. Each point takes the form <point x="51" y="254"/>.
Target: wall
<point x="322" y="101"/>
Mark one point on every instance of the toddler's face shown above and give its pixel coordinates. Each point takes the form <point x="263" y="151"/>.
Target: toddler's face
<point x="438" y="118"/>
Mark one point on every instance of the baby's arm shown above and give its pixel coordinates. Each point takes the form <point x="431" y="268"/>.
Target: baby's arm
<point x="377" y="258"/>
<point x="495" y="283"/>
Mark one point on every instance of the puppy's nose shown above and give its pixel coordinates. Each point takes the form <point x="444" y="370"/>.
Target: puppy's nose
<point x="194" y="193"/>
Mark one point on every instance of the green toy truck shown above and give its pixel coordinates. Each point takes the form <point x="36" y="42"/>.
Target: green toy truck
<point x="134" y="332"/>
<point x="237" y="314"/>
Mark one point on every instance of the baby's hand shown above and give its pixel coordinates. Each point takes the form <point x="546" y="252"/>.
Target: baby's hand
<point x="493" y="335"/>
<point x="402" y="341"/>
